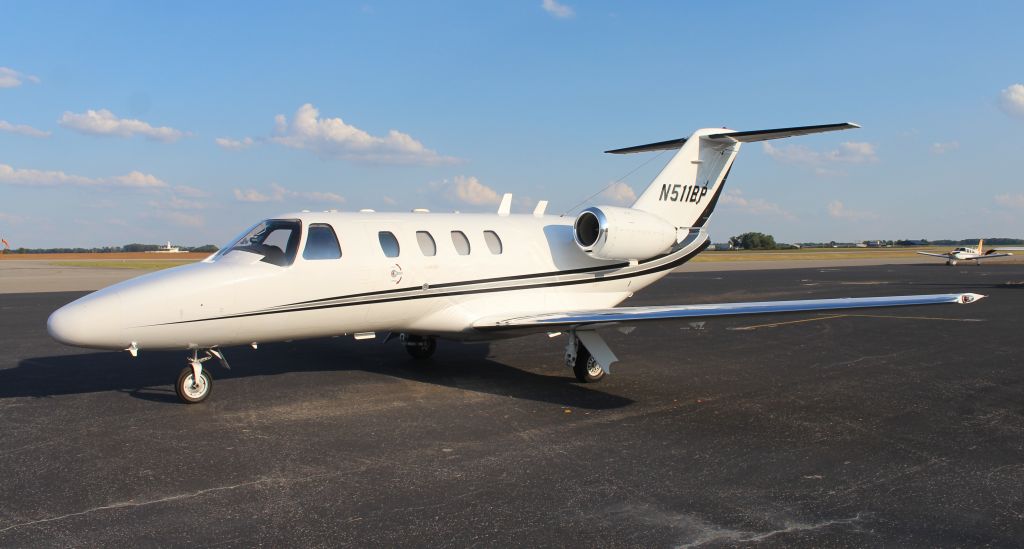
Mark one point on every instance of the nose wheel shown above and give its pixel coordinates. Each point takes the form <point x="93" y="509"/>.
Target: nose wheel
<point x="195" y="382"/>
<point x="419" y="347"/>
<point x="192" y="389"/>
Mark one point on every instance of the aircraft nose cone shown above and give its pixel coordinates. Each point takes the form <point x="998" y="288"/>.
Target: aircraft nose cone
<point x="94" y="321"/>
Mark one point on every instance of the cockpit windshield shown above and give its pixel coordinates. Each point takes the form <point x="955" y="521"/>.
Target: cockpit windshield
<point x="277" y="240"/>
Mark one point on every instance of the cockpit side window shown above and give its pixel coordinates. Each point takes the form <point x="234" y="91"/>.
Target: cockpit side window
<point x="321" y="243"/>
<point x="277" y="240"/>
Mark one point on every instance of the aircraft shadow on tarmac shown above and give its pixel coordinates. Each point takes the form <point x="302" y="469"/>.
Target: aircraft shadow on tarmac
<point x="150" y="376"/>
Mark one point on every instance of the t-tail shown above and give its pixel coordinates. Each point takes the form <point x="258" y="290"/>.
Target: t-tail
<point x="687" y="190"/>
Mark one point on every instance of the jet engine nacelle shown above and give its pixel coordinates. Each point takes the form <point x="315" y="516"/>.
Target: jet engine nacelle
<point x="608" y="232"/>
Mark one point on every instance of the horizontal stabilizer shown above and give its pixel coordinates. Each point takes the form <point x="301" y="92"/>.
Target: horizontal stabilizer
<point x="741" y="137"/>
<point x="765" y="135"/>
<point x="546" y="321"/>
<point x="659" y="146"/>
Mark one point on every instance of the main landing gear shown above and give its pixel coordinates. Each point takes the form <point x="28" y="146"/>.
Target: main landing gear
<point x="583" y="364"/>
<point x="195" y="382"/>
<point x="419" y="347"/>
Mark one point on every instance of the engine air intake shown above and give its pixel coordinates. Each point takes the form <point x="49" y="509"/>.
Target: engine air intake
<point x="610" y="232"/>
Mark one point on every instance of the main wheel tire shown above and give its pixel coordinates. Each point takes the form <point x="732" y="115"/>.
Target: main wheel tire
<point x="421" y="347"/>
<point x="190" y="392"/>
<point x="587" y="369"/>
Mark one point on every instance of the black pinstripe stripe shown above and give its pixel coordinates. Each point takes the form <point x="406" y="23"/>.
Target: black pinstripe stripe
<point x="311" y="307"/>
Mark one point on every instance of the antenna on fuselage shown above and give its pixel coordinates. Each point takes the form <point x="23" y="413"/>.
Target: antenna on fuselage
<point x="505" y="208"/>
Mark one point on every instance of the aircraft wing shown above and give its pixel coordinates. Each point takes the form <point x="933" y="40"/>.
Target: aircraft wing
<point x="944" y="256"/>
<point x="593" y="318"/>
<point x="990" y="256"/>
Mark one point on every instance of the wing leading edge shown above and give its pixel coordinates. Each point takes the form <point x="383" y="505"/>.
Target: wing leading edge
<point x="547" y="321"/>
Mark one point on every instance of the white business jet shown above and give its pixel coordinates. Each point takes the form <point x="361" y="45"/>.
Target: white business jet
<point x="970" y="254"/>
<point x="423" y="276"/>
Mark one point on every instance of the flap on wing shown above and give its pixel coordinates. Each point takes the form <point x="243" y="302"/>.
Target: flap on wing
<point x="634" y="314"/>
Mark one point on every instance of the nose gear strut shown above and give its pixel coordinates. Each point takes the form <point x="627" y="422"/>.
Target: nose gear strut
<point x="195" y="382"/>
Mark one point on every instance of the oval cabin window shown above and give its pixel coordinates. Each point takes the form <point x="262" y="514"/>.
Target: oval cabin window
<point x="388" y="244"/>
<point x="493" y="242"/>
<point x="426" y="242"/>
<point x="460" y="242"/>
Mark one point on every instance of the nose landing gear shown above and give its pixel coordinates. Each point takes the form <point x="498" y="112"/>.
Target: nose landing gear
<point x="419" y="347"/>
<point x="195" y="382"/>
<point x="191" y="391"/>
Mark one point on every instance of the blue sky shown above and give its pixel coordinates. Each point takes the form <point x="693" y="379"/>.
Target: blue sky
<point x="144" y="122"/>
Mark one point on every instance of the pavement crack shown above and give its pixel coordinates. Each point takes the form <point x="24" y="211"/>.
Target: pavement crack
<point x="718" y="535"/>
<point x="803" y="528"/>
<point x="133" y="504"/>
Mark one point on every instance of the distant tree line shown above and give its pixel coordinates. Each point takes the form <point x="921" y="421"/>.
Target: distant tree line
<point x="761" y="241"/>
<point x="993" y="241"/>
<point x="134" y="247"/>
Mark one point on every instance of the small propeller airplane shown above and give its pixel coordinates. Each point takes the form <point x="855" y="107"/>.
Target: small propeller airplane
<point x="971" y="254"/>
<point x="423" y="276"/>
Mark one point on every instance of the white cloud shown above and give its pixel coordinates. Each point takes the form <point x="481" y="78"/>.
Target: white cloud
<point x="467" y="190"/>
<point x="619" y="193"/>
<point x="1011" y="200"/>
<point x="850" y="152"/>
<point x="137" y="180"/>
<point x="234" y="144"/>
<point x="1011" y="100"/>
<point x="22" y="129"/>
<point x="734" y="199"/>
<point x="191" y="192"/>
<point x="252" y="195"/>
<point x="10" y="78"/>
<point x="560" y="11"/>
<point x="104" y="122"/>
<point x="837" y="210"/>
<point x="333" y="138"/>
<point x="278" y="193"/>
<point x="40" y="178"/>
<point x="177" y="203"/>
<point x="943" y="148"/>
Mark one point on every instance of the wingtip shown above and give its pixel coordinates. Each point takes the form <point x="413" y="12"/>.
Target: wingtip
<point x="853" y="124"/>
<point x="970" y="298"/>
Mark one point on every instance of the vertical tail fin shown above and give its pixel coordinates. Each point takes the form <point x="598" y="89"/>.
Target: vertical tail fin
<point x="686" y="191"/>
<point x="980" y="243"/>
